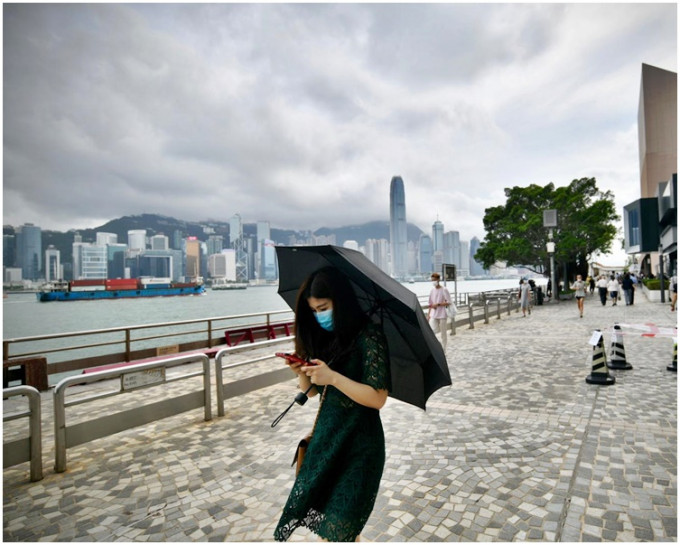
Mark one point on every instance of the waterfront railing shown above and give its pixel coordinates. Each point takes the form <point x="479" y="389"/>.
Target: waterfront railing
<point x="76" y="351"/>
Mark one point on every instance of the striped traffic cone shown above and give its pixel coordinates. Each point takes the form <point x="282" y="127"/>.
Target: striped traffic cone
<point x="618" y="353"/>
<point x="674" y="366"/>
<point x="600" y="374"/>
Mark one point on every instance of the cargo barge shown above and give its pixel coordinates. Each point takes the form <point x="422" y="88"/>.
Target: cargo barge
<point x="121" y="288"/>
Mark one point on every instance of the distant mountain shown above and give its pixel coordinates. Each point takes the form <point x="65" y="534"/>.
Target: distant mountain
<point x="155" y="224"/>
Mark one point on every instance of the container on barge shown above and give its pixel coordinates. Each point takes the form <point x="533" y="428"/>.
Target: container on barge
<point x="120" y="288"/>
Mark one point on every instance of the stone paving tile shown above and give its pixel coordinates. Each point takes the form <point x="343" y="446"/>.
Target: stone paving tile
<point x="519" y="448"/>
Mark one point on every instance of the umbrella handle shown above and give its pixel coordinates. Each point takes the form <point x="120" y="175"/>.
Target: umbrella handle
<point x="300" y="399"/>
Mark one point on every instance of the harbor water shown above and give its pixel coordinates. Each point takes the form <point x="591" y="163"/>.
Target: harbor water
<point x="24" y="316"/>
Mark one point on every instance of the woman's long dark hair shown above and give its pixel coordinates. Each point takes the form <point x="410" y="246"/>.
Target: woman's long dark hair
<point x="311" y="340"/>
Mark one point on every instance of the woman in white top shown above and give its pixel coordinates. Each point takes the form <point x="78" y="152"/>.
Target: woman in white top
<point x="613" y="288"/>
<point x="580" y="287"/>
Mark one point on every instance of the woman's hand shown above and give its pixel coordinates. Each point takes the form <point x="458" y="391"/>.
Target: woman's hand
<point x="319" y="373"/>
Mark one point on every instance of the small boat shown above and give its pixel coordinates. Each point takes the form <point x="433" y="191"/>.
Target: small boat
<point x="224" y="284"/>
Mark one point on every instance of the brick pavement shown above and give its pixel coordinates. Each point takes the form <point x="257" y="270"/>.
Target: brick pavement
<point x="519" y="448"/>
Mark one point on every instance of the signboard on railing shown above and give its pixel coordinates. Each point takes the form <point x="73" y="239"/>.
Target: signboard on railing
<point x="142" y="379"/>
<point x="449" y="272"/>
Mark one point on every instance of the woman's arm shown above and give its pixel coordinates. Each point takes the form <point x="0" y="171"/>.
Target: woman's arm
<point x="360" y="393"/>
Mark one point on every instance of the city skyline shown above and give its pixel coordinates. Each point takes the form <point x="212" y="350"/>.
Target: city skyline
<point x="103" y="116"/>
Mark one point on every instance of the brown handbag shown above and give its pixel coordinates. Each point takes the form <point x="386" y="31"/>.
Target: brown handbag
<point x="304" y="443"/>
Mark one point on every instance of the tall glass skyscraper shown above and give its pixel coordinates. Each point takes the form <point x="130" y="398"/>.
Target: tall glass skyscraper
<point x="398" y="237"/>
<point x="29" y="251"/>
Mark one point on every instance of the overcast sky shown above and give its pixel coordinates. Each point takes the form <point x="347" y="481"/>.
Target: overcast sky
<point x="302" y="114"/>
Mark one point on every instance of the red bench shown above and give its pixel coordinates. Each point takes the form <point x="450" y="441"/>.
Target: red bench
<point x="257" y="333"/>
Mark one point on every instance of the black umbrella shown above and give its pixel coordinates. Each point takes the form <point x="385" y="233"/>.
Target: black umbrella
<point x="417" y="361"/>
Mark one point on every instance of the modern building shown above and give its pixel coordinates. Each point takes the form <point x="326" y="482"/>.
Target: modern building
<point x="425" y="255"/>
<point x="476" y="268"/>
<point x="193" y="258"/>
<point x="657" y="128"/>
<point x="29" y="251"/>
<point x="90" y="261"/>
<point x="378" y="251"/>
<point x="215" y="244"/>
<point x="452" y="254"/>
<point x="650" y="223"/>
<point x="269" y="269"/>
<point x="115" y="257"/>
<point x="160" y="242"/>
<point x="106" y="238"/>
<point x="223" y="265"/>
<point x="398" y="232"/>
<point x="438" y="236"/>
<point x="53" y="269"/>
<point x="137" y="240"/>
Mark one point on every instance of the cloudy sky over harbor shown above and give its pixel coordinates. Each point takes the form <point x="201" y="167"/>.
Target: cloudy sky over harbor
<point x="301" y="114"/>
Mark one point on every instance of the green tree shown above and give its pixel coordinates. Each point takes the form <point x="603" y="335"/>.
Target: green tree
<point x="515" y="232"/>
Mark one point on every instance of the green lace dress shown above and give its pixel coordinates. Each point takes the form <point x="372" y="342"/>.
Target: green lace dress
<point x="336" y="488"/>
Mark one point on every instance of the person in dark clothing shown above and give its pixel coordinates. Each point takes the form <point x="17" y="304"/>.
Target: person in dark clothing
<point x="602" y="288"/>
<point x="628" y="287"/>
<point x="337" y="485"/>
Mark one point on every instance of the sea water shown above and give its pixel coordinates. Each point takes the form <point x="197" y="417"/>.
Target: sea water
<point x="25" y="316"/>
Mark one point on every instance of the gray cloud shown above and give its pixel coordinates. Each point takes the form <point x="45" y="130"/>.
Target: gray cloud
<point x="301" y="113"/>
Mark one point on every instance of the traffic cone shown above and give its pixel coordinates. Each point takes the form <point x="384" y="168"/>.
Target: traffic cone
<point x="600" y="374"/>
<point x="618" y="353"/>
<point x="674" y="366"/>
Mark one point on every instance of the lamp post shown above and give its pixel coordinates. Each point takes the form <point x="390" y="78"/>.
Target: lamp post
<point x="550" y="221"/>
<point x="550" y="246"/>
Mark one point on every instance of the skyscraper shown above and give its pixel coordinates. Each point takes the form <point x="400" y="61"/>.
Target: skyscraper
<point x="29" y="251"/>
<point x="437" y="236"/>
<point x="398" y="236"/>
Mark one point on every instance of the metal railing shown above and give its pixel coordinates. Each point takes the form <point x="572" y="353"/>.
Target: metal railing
<point x="28" y="448"/>
<point x="132" y="378"/>
<point x="244" y="386"/>
<point x="75" y="351"/>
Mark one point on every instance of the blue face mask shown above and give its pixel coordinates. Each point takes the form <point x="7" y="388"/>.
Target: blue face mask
<point x="325" y="319"/>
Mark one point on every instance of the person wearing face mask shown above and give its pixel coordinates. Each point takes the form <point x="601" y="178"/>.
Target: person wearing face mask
<point x="440" y="298"/>
<point x="337" y="485"/>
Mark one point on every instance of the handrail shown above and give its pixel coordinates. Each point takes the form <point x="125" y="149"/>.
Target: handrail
<point x="131" y="347"/>
<point x="132" y="377"/>
<point x="27" y="449"/>
<point x="225" y="391"/>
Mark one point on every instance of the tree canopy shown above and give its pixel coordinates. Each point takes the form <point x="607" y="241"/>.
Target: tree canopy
<point x="515" y="232"/>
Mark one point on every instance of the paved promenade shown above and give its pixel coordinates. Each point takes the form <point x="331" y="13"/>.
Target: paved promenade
<point x="519" y="448"/>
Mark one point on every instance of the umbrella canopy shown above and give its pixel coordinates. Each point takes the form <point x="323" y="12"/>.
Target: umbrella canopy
<point x="417" y="361"/>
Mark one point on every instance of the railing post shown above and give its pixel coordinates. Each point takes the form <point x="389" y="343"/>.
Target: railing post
<point x="127" y="344"/>
<point x="207" y="400"/>
<point x="498" y="308"/>
<point x="509" y="303"/>
<point x="486" y="311"/>
<point x="472" y="318"/>
<point x="218" y="382"/>
<point x="59" y="429"/>
<point x="34" y="426"/>
<point x="210" y="344"/>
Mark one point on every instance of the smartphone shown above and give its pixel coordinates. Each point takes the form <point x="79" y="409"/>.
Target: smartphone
<point x="293" y="357"/>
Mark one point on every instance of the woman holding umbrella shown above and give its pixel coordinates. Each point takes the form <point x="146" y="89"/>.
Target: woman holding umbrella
<point x="335" y="490"/>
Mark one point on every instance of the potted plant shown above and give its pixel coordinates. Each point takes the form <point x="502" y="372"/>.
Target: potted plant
<point x="651" y="287"/>
<point x="565" y="295"/>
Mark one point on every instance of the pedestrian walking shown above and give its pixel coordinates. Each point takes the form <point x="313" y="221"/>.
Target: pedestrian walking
<point x="628" y="288"/>
<point x="613" y="289"/>
<point x="524" y="297"/>
<point x="440" y="299"/>
<point x="602" y="289"/>
<point x="591" y="284"/>
<point x="335" y="490"/>
<point x="580" y="287"/>
<point x="674" y="292"/>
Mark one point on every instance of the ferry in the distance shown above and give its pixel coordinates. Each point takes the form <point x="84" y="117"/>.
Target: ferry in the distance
<point x="120" y="288"/>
